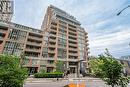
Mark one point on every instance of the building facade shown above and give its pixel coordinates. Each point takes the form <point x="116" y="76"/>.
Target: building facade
<point x="126" y="66"/>
<point x="16" y="39"/>
<point x="125" y="57"/>
<point x="61" y="38"/>
<point x="68" y="41"/>
<point x="6" y="10"/>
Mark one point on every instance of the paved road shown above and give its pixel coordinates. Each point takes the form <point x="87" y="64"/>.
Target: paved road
<point x="63" y="83"/>
<point x="48" y="83"/>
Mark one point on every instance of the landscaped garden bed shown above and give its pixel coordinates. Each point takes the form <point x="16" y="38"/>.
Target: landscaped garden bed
<point x="49" y="75"/>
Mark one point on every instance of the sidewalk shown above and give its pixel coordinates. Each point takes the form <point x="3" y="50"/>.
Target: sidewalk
<point x="48" y="80"/>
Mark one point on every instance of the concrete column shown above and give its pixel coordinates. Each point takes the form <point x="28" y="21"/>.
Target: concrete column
<point x="78" y="69"/>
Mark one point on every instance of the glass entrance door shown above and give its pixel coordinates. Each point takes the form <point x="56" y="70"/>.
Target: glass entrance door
<point x="72" y="70"/>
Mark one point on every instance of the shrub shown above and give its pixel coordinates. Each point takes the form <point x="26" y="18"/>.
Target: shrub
<point x="49" y="75"/>
<point x="11" y="74"/>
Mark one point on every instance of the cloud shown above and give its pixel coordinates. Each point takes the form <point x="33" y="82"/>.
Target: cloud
<point x="98" y="17"/>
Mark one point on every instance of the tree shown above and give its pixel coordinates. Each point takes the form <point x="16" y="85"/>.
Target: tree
<point x="109" y="70"/>
<point x="60" y="66"/>
<point x="11" y="74"/>
<point x="95" y="66"/>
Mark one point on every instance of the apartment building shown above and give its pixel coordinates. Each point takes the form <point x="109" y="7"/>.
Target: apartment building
<point x="127" y="57"/>
<point x="68" y="41"/>
<point x="16" y="39"/>
<point x="6" y="10"/>
<point x="126" y="66"/>
<point x="61" y="38"/>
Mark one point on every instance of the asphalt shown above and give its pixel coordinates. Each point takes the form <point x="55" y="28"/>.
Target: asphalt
<point x="89" y="82"/>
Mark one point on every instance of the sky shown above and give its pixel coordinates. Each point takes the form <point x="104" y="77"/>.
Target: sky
<point x="98" y="17"/>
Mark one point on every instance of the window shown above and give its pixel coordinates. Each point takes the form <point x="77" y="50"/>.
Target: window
<point x="50" y="61"/>
<point x="13" y="48"/>
<point x="62" y="42"/>
<point x="17" y="35"/>
<point x="62" y="53"/>
<point x="62" y="36"/>
<point x="34" y="62"/>
<point x="45" y="52"/>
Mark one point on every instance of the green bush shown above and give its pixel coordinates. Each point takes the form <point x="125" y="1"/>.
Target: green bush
<point x="49" y="75"/>
<point x="11" y="74"/>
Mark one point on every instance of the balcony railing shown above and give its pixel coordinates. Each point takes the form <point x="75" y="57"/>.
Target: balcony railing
<point x="73" y="54"/>
<point x="33" y="43"/>
<point x="3" y="31"/>
<point x="35" y="38"/>
<point x="33" y="50"/>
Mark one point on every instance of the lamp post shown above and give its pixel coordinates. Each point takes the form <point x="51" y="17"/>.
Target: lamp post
<point x="122" y="10"/>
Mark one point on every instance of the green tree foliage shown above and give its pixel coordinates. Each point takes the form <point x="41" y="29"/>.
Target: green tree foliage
<point x="95" y="64"/>
<point x="11" y="74"/>
<point x="60" y="66"/>
<point x="109" y="70"/>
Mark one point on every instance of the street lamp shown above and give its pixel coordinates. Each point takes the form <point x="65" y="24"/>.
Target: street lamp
<point x="123" y="10"/>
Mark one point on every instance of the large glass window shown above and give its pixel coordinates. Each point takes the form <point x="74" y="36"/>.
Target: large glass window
<point x="17" y="35"/>
<point x="62" y="36"/>
<point x="62" y="30"/>
<point x="13" y="48"/>
<point x="62" y="42"/>
<point x="45" y="52"/>
<point x="62" y="53"/>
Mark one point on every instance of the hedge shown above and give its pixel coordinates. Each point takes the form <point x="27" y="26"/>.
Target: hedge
<point x="49" y="75"/>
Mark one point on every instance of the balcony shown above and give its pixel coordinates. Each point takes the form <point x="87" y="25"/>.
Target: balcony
<point x="30" y="56"/>
<point x="33" y="43"/>
<point x="72" y="29"/>
<point x="52" y="45"/>
<point x="73" y="59"/>
<point x="86" y="36"/>
<point x="33" y="50"/>
<point x="53" y="26"/>
<point x="51" y="51"/>
<point x="73" y="54"/>
<point x="71" y="44"/>
<point x="72" y="25"/>
<point x="72" y="32"/>
<point x="1" y="38"/>
<point x="72" y="40"/>
<point x="50" y="64"/>
<point x="73" y="49"/>
<point x="87" y="48"/>
<point x="48" y="58"/>
<point x="35" y="38"/>
<point x="63" y="25"/>
<point x="52" y="40"/>
<point x="72" y="35"/>
<point x="61" y="32"/>
<point x="86" y="40"/>
<point x="63" y="47"/>
<point x="53" y="30"/>
<point x="3" y="31"/>
<point x="52" y="35"/>
<point x="87" y="44"/>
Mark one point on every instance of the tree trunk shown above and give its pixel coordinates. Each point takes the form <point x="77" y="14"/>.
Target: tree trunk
<point x="112" y="85"/>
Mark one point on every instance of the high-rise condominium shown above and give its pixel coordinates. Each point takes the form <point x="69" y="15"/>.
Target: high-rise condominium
<point x="67" y="40"/>
<point x="6" y="10"/>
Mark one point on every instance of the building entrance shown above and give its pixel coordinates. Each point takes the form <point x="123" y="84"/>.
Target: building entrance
<point x="49" y="69"/>
<point x="72" y="69"/>
<point x="32" y="70"/>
